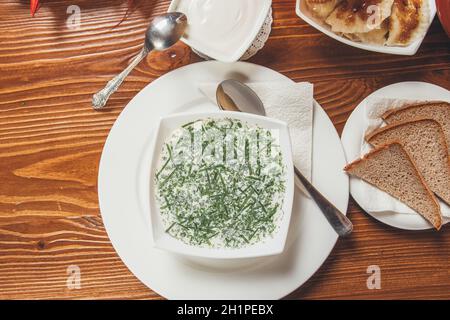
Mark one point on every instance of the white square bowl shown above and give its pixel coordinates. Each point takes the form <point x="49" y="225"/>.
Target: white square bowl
<point x="303" y="12"/>
<point x="269" y="246"/>
<point x="228" y="53"/>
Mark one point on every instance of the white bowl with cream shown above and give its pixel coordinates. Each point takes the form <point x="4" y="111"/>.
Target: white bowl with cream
<point x="222" y="30"/>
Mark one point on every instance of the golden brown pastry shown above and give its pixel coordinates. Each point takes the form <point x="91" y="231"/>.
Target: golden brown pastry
<point x="321" y="8"/>
<point x="376" y="36"/>
<point x="359" y="16"/>
<point x="409" y="19"/>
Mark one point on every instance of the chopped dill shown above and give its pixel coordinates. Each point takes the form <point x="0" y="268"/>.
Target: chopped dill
<point x="226" y="191"/>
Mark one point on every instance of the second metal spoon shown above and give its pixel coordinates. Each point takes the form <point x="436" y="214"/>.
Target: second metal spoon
<point x="164" y="31"/>
<point x="233" y="95"/>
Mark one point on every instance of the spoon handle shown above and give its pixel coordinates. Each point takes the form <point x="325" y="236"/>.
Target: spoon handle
<point x="340" y="223"/>
<point x="100" y="99"/>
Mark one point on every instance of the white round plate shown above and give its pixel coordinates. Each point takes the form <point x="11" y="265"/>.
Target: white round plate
<point x="352" y="138"/>
<point x="310" y="238"/>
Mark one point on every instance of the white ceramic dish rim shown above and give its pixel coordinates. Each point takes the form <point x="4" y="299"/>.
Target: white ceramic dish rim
<point x="239" y="52"/>
<point x="270" y="246"/>
<point x="352" y="139"/>
<point x="408" y="50"/>
<point x="118" y="190"/>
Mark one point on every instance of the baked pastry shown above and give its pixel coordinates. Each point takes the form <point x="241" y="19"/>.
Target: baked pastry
<point x="408" y="21"/>
<point x="321" y="8"/>
<point x="381" y="22"/>
<point x="359" y="16"/>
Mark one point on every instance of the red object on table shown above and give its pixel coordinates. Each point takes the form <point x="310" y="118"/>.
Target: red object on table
<point x="34" y="4"/>
<point x="443" y="9"/>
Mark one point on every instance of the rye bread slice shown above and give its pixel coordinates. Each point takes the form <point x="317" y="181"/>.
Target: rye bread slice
<point x="391" y="169"/>
<point x="436" y="110"/>
<point x="424" y="140"/>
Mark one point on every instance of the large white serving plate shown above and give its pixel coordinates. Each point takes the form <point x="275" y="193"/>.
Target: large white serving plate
<point x="352" y="139"/>
<point x="124" y="206"/>
<point x="303" y="12"/>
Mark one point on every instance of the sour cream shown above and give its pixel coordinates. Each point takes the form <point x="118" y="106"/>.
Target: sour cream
<point x="222" y="29"/>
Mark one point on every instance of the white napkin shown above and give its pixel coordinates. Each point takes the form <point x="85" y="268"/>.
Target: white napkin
<point x="291" y="103"/>
<point x="378" y="201"/>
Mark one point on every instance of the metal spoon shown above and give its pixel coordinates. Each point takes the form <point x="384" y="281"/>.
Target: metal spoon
<point x="233" y="95"/>
<point x="163" y="32"/>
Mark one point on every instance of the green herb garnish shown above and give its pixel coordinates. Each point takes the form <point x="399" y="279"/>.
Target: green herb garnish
<point x="225" y="191"/>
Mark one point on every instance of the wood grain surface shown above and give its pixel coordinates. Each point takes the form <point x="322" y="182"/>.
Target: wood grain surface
<point x="51" y="141"/>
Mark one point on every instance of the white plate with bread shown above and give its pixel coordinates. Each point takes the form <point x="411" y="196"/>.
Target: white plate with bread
<point x="386" y="26"/>
<point x="396" y="143"/>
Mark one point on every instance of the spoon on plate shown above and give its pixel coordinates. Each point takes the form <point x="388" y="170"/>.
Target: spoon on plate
<point x="233" y="95"/>
<point x="163" y="32"/>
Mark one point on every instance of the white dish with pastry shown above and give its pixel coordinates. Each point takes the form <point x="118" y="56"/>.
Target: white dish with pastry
<point x="387" y="26"/>
<point x="397" y="149"/>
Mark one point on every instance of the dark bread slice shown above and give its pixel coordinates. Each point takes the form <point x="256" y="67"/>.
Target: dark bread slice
<point x="424" y="140"/>
<point x="436" y="110"/>
<point x="391" y="169"/>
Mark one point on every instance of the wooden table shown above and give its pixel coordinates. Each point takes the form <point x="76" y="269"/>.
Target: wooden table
<point x="51" y="141"/>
